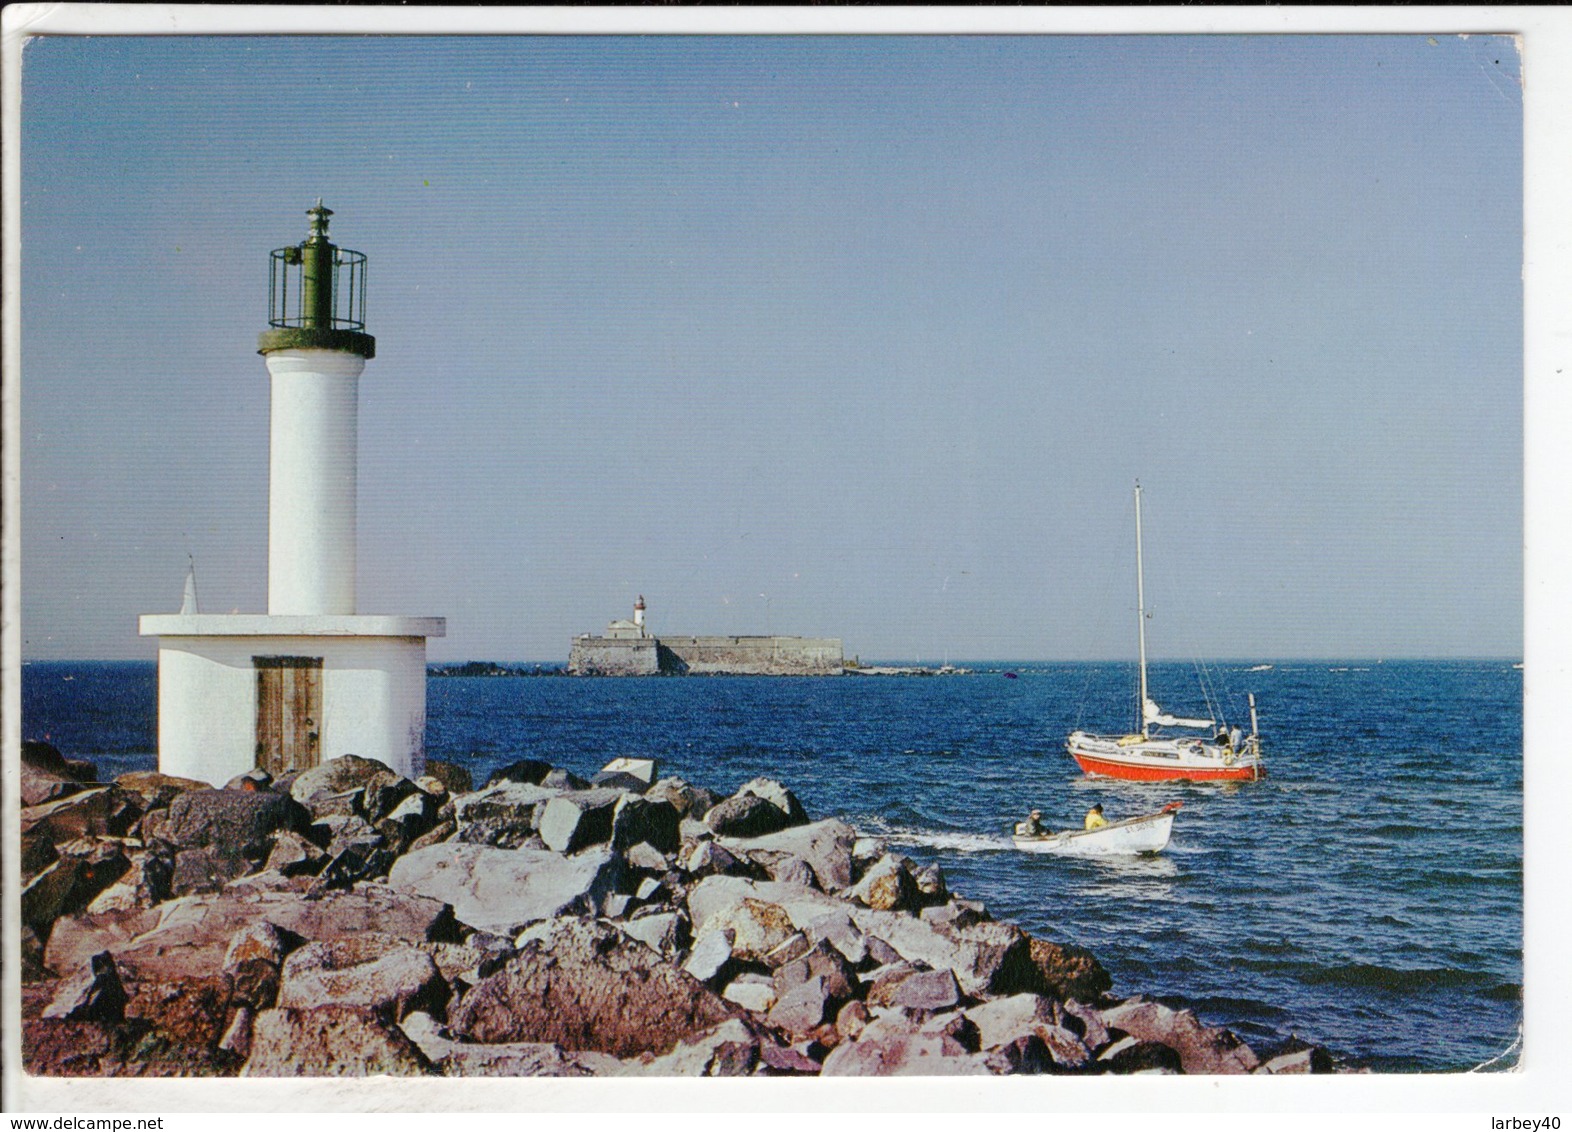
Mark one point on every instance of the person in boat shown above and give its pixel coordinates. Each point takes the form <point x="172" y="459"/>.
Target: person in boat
<point x="1032" y="826"/>
<point x="1094" y="817"/>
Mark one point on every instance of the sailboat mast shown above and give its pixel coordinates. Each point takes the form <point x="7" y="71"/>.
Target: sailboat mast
<point x="1140" y="610"/>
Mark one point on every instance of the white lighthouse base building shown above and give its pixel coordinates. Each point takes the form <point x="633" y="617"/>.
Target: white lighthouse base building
<point x="239" y="691"/>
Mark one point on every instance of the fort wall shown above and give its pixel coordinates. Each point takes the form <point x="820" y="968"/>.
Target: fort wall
<point x="699" y="656"/>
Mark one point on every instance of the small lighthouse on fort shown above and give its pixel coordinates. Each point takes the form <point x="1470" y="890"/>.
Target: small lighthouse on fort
<point x="312" y="679"/>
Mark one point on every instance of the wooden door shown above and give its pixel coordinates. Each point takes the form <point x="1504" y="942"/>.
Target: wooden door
<point x="289" y="712"/>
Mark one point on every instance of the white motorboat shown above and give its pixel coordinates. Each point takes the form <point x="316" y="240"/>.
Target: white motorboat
<point x="1145" y="834"/>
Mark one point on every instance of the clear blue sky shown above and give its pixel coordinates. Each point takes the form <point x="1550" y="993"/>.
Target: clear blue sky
<point x="852" y="336"/>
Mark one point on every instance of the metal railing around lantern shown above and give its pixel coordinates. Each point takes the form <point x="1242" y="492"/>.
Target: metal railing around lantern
<point x="301" y="294"/>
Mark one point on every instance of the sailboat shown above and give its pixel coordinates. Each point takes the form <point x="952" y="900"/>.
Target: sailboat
<point x="1153" y="754"/>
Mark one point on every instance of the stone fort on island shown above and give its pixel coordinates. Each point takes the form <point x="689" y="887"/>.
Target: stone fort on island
<point x="628" y="649"/>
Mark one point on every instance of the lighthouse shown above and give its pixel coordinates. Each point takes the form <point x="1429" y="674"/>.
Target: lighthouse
<point x="314" y="361"/>
<point x="312" y="678"/>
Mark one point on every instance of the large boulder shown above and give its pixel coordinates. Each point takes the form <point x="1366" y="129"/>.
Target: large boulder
<point x="715" y="896"/>
<point x="1085" y="1021"/>
<point x="1201" y="1049"/>
<point x="1001" y="1021"/>
<point x="330" y="1041"/>
<point x="562" y="779"/>
<point x="745" y="815"/>
<point x="391" y="977"/>
<point x="1131" y="1055"/>
<point x="757" y="928"/>
<point x="1296" y="1056"/>
<point x="100" y="811"/>
<point x="147" y="881"/>
<point x="82" y="870"/>
<point x="690" y="801"/>
<point x="40" y="755"/>
<point x="1031" y="1024"/>
<point x="667" y="932"/>
<point x="44" y="765"/>
<point x="825" y="846"/>
<point x="642" y="821"/>
<point x="505" y="813"/>
<point x="93" y="994"/>
<point x="40" y="786"/>
<point x="803" y="1007"/>
<point x="709" y="858"/>
<point x="385" y="791"/>
<point x="233" y="829"/>
<point x="190" y="936"/>
<point x="753" y="992"/>
<point x="157" y="790"/>
<point x="824" y="963"/>
<point x="578" y="819"/>
<point x="987" y="957"/>
<point x="734" y="1048"/>
<point x="295" y="855"/>
<point x="778" y="796"/>
<point x="468" y="962"/>
<point x="639" y="770"/>
<point x="889" y="886"/>
<point x="893" y="1054"/>
<point x="529" y="771"/>
<point x="503" y="1059"/>
<point x="76" y="939"/>
<point x="837" y="929"/>
<point x="1066" y="971"/>
<point x="711" y="960"/>
<point x="190" y="1011"/>
<point x="254" y="963"/>
<point x="586" y="986"/>
<point x="454" y="779"/>
<point x="917" y="990"/>
<point x="500" y="890"/>
<point x="336" y="786"/>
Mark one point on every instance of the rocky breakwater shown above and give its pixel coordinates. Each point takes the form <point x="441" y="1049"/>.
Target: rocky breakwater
<point x="349" y="921"/>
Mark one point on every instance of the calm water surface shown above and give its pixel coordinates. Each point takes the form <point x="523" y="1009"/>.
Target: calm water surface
<point x="1367" y="895"/>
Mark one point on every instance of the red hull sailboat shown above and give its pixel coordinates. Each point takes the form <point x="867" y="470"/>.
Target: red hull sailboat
<point x="1151" y="755"/>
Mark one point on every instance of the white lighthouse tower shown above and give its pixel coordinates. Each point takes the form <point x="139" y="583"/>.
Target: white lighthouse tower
<point x="312" y="679"/>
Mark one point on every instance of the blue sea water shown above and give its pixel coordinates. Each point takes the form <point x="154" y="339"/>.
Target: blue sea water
<point x="1367" y="895"/>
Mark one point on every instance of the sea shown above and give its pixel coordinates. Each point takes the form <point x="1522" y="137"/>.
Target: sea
<point x="1366" y="895"/>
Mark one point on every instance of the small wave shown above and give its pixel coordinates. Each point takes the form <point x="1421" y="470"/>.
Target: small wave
<point x="955" y="841"/>
<point x="1470" y="880"/>
<point x="1237" y="1010"/>
<point x="1272" y="947"/>
<point x="1392" y="978"/>
<point x="1400" y="829"/>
